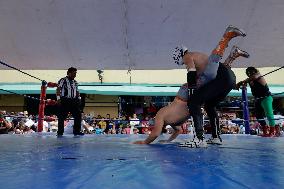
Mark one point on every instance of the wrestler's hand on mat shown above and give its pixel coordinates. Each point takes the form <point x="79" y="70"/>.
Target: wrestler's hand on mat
<point x="139" y="142"/>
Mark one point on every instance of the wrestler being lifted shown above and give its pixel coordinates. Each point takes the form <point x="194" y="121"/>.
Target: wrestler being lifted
<point x="213" y="82"/>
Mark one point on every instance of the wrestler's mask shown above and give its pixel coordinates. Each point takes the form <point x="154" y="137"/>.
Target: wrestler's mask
<point x="178" y="54"/>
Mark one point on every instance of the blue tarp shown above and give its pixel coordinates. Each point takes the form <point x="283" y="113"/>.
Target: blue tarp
<point x="111" y="161"/>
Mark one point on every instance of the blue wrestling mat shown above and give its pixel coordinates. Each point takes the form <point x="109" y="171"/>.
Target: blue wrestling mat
<point x="111" y="161"/>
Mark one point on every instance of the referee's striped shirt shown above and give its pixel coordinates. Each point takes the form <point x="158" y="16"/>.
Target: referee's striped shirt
<point x="69" y="88"/>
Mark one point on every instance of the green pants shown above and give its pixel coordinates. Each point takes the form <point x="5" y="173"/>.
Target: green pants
<point x="266" y="104"/>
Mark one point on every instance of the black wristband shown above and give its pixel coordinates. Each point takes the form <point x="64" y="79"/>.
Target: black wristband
<point x="191" y="79"/>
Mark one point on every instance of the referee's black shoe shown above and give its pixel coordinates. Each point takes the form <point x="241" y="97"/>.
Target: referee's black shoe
<point x="59" y="134"/>
<point x="79" y="134"/>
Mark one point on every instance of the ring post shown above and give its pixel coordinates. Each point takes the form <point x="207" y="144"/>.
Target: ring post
<point x="41" y="106"/>
<point x="245" y="109"/>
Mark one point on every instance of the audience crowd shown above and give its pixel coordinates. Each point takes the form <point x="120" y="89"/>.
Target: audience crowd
<point x="23" y="123"/>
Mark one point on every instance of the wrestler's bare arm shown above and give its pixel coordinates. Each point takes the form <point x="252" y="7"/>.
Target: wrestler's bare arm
<point x="200" y="61"/>
<point x="261" y="79"/>
<point x="153" y="135"/>
<point x="250" y="79"/>
<point x="173" y="136"/>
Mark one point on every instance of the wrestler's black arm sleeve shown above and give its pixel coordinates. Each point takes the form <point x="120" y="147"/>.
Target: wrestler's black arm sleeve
<point x="191" y="82"/>
<point x="191" y="79"/>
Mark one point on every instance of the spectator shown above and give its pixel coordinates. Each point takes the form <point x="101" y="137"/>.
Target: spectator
<point x="69" y="127"/>
<point x="5" y="126"/>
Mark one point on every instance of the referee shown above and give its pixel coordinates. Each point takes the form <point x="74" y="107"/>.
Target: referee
<point x="68" y="99"/>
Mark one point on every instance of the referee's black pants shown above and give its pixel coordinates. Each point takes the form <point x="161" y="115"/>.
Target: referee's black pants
<point x="211" y="94"/>
<point x="73" y="106"/>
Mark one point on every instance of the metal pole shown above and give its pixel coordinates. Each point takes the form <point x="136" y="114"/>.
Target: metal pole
<point x="245" y="109"/>
<point x="41" y="106"/>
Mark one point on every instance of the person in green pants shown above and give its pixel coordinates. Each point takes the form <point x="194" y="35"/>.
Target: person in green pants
<point x="263" y="101"/>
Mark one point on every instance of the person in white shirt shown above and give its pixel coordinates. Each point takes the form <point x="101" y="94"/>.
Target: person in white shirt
<point x="134" y="121"/>
<point x="45" y="126"/>
<point x="68" y="129"/>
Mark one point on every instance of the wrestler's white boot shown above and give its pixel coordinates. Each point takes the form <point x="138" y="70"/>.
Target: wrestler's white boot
<point x="235" y="53"/>
<point x="214" y="141"/>
<point x="216" y="132"/>
<point x="235" y="31"/>
<point x="230" y="33"/>
<point x="197" y="143"/>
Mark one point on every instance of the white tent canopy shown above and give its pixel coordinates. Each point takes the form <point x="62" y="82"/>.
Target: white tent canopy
<point x="134" y="34"/>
